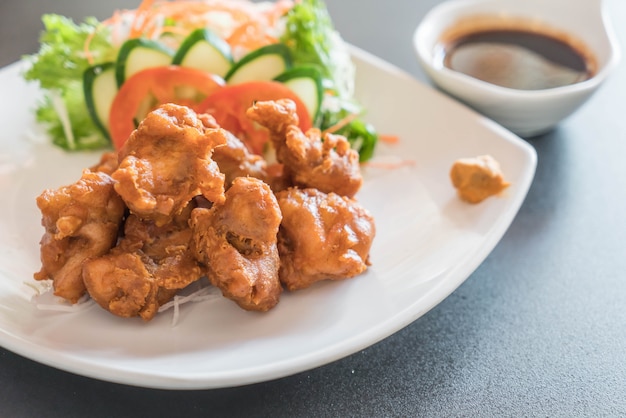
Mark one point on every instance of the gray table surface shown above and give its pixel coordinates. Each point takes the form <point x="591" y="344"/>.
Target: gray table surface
<point x="539" y="329"/>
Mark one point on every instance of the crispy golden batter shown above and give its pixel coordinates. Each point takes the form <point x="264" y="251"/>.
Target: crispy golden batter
<point x="166" y="162"/>
<point x="81" y="221"/>
<point x="146" y="269"/>
<point x="234" y="160"/>
<point x="326" y="163"/>
<point x="168" y="246"/>
<point x="322" y="236"/>
<point x="123" y="283"/>
<point x="237" y="242"/>
<point x="108" y="163"/>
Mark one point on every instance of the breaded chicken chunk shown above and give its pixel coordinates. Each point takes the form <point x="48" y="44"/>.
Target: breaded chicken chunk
<point x="322" y="237"/>
<point x="312" y="160"/>
<point x="476" y="179"/>
<point x="149" y="265"/>
<point x="81" y="221"/>
<point x="108" y="163"/>
<point x="166" y="162"/>
<point x="234" y="160"/>
<point x="123" y="283"/>
<point x="236" y="240"/>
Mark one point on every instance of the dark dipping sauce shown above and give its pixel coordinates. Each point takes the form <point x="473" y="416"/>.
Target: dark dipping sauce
<point x="517" y="59"/>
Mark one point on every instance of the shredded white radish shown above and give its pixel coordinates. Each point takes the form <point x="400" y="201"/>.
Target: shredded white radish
<point x="81" y="305"/>
<point x="59" y="106"/>
<point x="44" y="299"/>
<point x="39" y="288"/>
<point x="202" y="293"/>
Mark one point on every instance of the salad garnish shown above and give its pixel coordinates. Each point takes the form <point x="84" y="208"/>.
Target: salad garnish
<point x="81" y="66"/>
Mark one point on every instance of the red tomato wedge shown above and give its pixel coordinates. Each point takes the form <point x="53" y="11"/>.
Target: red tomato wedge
<point x="149" y="88"/>
<point x="229" y="104"/>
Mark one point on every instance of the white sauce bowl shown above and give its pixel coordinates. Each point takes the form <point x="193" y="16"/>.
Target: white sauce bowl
<point x="525" y="112"/>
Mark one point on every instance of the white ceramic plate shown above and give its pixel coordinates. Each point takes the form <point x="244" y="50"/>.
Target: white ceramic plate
<point x="428" y="242"/>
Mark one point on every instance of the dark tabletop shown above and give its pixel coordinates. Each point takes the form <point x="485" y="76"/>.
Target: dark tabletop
<point x="539" y="329"/>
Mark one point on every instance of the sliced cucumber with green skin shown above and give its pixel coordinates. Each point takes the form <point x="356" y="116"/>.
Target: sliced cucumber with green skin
<point x="306" y="82"/>
<point x="206" y="51"/>
<point x="100" y="88"/>
<point x="138" y="54"/>
<point x="263" y="64"/>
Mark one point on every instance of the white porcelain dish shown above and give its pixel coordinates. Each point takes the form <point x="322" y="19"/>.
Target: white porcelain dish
<point x="428" y="242"/>
<point x="525" y="112"/>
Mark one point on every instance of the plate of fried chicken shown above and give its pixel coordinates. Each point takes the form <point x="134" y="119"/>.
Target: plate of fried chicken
<point x="185" y="262"/>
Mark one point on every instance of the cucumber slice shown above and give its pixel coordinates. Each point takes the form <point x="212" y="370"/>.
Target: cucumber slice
<point x="306" y="82"/>
<point x="204" y="50"/>
<point x="263" y="64"/>
<point x="138" y="54"/>
<point x="100" y="88"/>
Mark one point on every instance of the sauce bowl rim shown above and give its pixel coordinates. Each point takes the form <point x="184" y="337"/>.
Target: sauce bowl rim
<point x="443" y="11"/>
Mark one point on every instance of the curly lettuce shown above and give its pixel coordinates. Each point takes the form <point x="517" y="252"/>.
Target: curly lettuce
<point x="58" y="67"/>
<point x="312" y="39"/>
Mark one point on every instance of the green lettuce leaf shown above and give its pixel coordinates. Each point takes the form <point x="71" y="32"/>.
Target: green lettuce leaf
<point x="313" y="40"/>
<point x="58" y="67"/>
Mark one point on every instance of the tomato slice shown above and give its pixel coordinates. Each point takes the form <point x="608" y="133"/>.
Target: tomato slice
<point x="229" y="104"/>
<point x="147" y="89"/>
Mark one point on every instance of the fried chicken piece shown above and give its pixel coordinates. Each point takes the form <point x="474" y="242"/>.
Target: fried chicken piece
<point x="477" y="178"/>
<point x="326" y="163"/>
<point x="123" y="283"/>
<point x="236" y="240"/>
<point x="108" y="163"/>
<point x="322" y="236"/>
<point x="234" y="160"/>
<point x="81" y="220"/>
<point x="167" y="161"/>
<point x="149" y="265"/>
<point x="168" y="246"/>
<point x="278" y="178"/>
